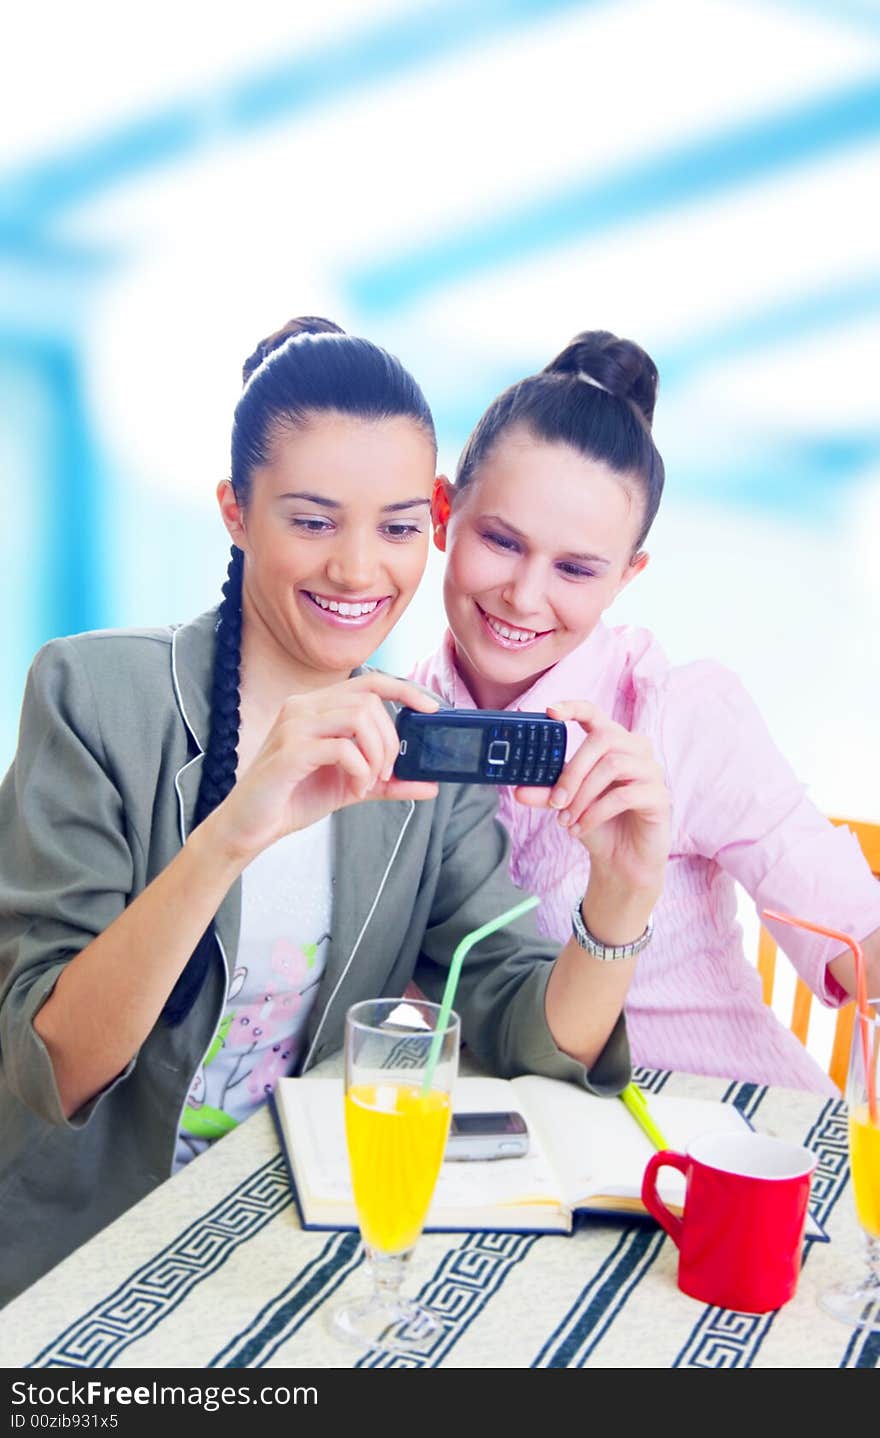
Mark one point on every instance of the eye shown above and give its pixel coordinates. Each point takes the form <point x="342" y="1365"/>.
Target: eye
<point x="401" y="530"/>
<point x="311" y="524"/>
<point x="574" y="571"/>
<point x="501" y="541"/>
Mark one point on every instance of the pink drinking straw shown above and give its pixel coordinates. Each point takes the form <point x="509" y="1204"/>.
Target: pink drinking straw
<point x="861" y="991"/>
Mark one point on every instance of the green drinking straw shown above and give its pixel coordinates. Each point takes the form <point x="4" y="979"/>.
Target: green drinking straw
<point x="458" y="958"/>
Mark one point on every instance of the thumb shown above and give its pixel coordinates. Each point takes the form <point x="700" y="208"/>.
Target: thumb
<point x="531" y="797"/>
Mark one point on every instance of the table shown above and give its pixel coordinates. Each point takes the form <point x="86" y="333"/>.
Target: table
<point x="213" y="1271"/>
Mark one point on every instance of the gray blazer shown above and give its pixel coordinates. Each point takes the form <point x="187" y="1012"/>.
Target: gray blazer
<point x="98" y="801"/>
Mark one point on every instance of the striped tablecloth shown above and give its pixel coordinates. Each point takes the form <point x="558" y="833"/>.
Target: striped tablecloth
<point x="212" y="1271"/>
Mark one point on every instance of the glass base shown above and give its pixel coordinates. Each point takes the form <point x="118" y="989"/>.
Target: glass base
<point x="401" y="1328"/>
<point x="856" y="1305"/>
<point x="382" y="1321"/>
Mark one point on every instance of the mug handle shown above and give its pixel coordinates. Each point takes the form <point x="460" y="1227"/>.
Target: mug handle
<point x="666" y="1158"/>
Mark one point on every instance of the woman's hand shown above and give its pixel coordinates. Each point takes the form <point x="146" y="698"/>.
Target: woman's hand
<point x="611" y="796"/>
<point x="326" y="749"/>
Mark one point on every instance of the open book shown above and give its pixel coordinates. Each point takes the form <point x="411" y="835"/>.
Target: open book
<point x="585" y="1153"/>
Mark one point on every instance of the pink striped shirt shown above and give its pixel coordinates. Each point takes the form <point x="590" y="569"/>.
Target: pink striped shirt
<point x="739" y="815"/>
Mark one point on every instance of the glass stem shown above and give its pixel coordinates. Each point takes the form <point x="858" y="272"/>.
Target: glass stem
<point x="873" y="1246"/>
<point x="388" y="1271"/>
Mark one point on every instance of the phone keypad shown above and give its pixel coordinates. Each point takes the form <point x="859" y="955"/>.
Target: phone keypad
<point x="535" y="756"/>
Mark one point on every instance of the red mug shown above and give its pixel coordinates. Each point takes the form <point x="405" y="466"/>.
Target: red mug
<point x="741" y="1233"/>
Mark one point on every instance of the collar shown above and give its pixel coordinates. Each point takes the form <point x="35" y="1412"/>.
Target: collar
<point x="192" y="659"/>
<point x="580" y="672"/>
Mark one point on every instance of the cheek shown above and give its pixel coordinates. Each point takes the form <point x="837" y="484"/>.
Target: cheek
<point x="408" y="562"/>
<point x="472" y="568"/>
<point x="581" y="610"/>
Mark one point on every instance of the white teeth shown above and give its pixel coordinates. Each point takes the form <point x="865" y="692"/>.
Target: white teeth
<point x="521" y="636"/>
<point x="348" y="611"/>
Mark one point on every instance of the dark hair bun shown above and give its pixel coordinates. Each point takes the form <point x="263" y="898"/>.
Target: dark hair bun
<point x="621" y="367"/>
<point x="303" y="325"/>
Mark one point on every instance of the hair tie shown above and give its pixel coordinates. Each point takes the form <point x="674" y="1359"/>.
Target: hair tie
<point x="588" y="379"/>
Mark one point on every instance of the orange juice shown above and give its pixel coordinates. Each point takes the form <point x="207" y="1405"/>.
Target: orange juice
<point x="864" y="1157"/>
<point x="396" y="1138"/>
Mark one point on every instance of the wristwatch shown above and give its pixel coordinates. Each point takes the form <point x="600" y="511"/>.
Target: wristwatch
<point x="609" y="953"/>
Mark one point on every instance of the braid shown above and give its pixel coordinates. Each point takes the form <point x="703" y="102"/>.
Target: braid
<point x="218" y="767"/>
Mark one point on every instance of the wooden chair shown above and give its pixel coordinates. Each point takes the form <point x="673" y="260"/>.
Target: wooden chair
<point x="868" y="836"/>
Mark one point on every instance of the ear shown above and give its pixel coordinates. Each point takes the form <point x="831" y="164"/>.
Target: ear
<point x="441" y="508"/>
<point x="232" y="513"/>
<point x="635" y="566"/>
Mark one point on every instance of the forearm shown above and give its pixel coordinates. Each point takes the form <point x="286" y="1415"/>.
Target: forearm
<point x="585" y="995"/>
<point x="843" y="967"/>
<point x="110" y="995"/>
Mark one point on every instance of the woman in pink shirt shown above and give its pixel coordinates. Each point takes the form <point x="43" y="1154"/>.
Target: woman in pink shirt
<point x="555" y="492"/>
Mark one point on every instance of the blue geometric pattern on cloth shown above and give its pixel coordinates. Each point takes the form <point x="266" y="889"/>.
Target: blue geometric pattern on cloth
<point x="863" y="1351"/>
<point x="651" y="1080"/>
<point x="724" y="1339"/>
<point x="600" y="1302"/>
<point x="147" y="1297"/>
<point x="253" y="1346"/>
<point x="465" y="1280"/>
<point x="408" y="1053"/>
<point x="745" y="1098"/>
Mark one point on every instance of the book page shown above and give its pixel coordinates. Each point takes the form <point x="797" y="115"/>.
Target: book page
<point x="312" y="1115"/>
<point x="526" y="1180"/>
<point x="313" y="1118"/>
<point x="598" y="1148"/>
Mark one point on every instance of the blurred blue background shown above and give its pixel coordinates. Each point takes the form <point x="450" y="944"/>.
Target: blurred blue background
<point x="469" y="184"/>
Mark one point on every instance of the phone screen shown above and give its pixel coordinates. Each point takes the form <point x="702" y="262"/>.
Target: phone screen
<point x="456" y="750"/>
<point x="474" y="1125"/>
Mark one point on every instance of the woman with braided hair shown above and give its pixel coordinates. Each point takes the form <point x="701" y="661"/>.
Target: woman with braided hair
<point x="555" y="493"/>
<point x="206" y="858"/>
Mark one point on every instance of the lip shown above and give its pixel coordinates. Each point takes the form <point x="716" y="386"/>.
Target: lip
<point x="519" y="645"/>
<point x="346" y="621"/>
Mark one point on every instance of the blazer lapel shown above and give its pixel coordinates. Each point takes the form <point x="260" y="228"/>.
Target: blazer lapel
<point x="192" y="657"/>
<point x="367" y="839"/>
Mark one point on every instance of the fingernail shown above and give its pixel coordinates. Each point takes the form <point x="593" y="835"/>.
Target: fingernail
<point x="558" y="799"/>
<point x="564" y="818"/>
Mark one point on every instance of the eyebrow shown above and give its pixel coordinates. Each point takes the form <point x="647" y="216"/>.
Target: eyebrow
<point x="569" y="553"/>
<point x="335" y="504"/>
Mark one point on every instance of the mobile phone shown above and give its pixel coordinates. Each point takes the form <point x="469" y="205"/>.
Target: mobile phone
<point x="487" y="1135"/>
<point x="480" y="746"/>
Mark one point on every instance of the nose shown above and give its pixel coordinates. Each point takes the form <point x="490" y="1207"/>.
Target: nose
<point x="354" y="564"/>
<point x="523" y="591"/>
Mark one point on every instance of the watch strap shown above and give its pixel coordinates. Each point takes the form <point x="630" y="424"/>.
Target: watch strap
<point x="607" y="953"/>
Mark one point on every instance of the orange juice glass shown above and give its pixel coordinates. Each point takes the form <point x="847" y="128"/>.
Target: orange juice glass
<point x="399" y="1077"/>
<point x="858" y="1303"/>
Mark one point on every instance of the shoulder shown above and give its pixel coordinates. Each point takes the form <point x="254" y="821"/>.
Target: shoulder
<point x="708" y="724"/>
<point x="692" y="692"/>
<point x="722" y="764"/>
<point x="102" y="682"/>
<point x="100" y="655"/>
<point x="95" y="647"/>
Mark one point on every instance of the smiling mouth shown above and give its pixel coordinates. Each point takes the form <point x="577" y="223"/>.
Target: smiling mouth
<point x="347" y="611"/>
<point x="511" y="636"/>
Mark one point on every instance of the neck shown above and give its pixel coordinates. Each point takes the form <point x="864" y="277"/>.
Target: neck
<point x="486" y="693"/>
<point x="269" y="674"/>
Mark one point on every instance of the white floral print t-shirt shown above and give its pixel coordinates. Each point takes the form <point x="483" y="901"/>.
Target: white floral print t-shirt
<point x="286" y="906"/>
